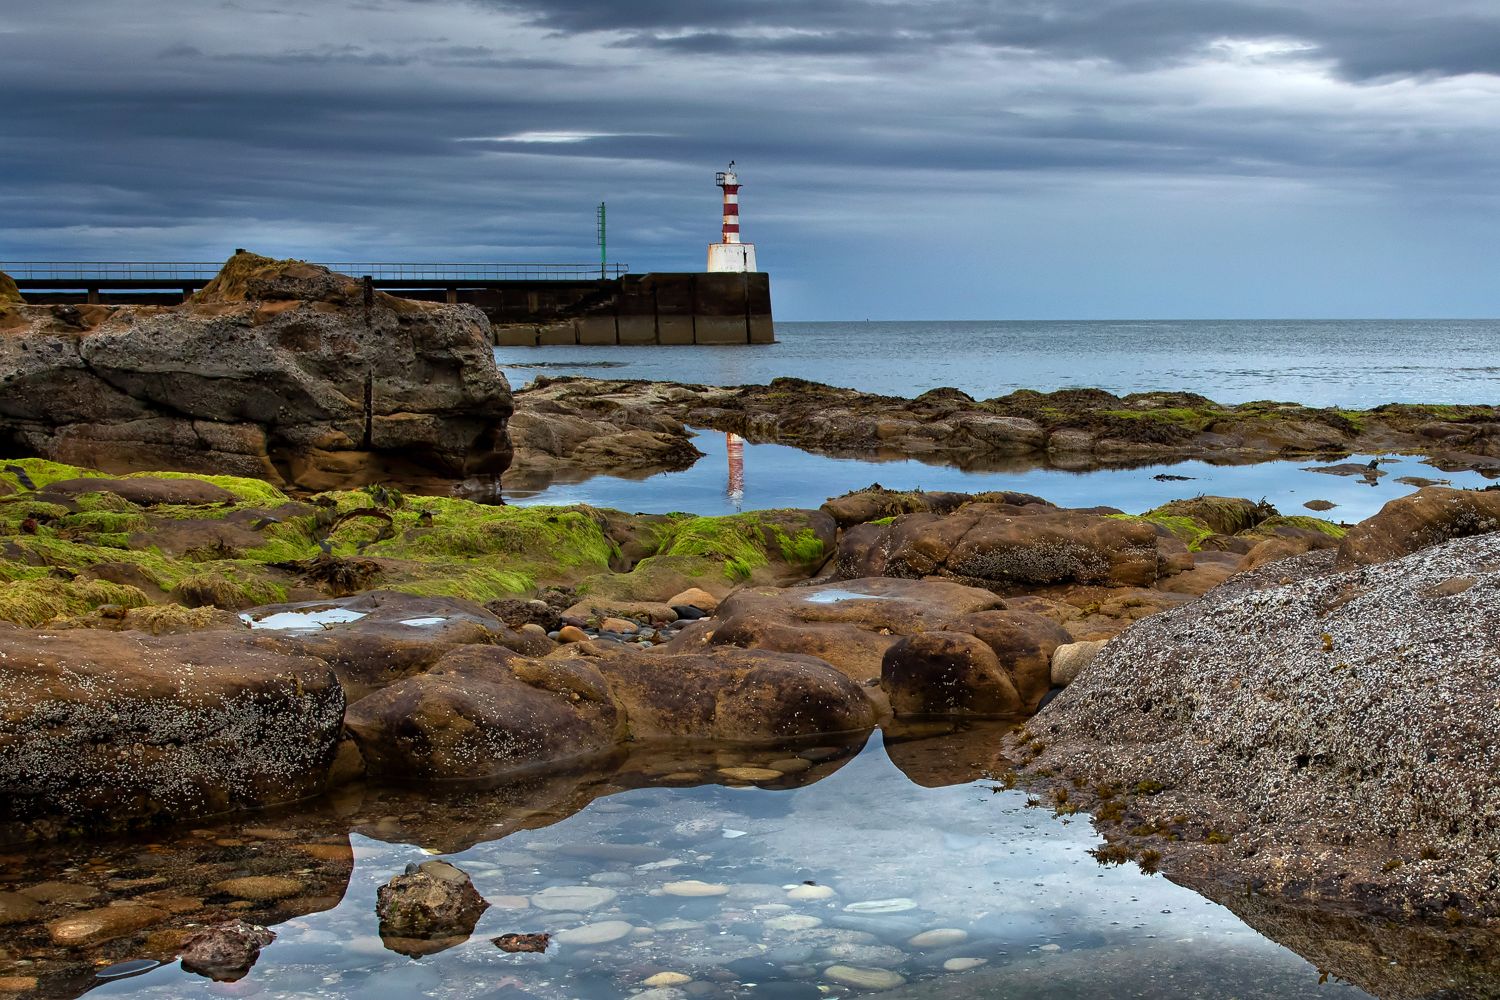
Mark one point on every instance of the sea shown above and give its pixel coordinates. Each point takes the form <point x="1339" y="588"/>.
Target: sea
<point x="1345" y="363"/>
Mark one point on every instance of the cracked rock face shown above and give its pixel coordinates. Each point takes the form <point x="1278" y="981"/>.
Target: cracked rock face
<point x="279" y="370"/>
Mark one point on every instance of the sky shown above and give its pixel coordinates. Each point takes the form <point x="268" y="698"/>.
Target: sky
<point x="901" y="159"/>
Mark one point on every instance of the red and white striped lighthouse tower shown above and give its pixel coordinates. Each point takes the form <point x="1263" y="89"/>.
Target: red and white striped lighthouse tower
<point x="729" y="254"/>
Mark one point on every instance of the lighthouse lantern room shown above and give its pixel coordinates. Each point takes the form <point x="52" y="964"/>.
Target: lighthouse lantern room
<point x="729" y="254"/>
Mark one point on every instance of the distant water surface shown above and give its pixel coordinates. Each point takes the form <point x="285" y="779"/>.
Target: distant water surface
<point x="1351" y="363"/>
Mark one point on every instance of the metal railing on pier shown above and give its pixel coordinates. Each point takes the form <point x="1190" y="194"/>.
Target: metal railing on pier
<point x="171" y="272"/>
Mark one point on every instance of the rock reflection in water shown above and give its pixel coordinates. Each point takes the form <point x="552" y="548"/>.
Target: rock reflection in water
<point x="683" y="872"/>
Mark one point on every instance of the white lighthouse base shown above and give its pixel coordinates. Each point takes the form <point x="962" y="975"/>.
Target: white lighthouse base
<point x="732" y="257"/>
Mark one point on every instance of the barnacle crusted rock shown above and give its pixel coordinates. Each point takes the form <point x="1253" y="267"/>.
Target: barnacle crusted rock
<point x="1306" y="731"/>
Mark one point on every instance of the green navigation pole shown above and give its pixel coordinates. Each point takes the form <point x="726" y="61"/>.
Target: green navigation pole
<point x="603" y="268"/>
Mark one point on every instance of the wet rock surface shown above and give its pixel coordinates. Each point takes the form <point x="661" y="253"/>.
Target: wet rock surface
<point x="105" y="731"/>
<point x="277" y="369"/>
<point x="430" y="907"/>
<point x="225" y="952"/>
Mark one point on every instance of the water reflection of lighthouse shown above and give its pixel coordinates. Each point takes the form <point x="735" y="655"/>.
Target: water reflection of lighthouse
<point x="734" y="446"/>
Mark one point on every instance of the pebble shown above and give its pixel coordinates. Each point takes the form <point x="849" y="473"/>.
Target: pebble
<point x="603" y="932"/>
<point x="619" y="626"/>
<point x="60" y="892"/>
<point x="573" y="897"/>
<point x="1050" y="947"/>
<point x="964" y="964"/>
<point x="693" y="887"/>
<point x="103" y="924"/>
<point x="16" y="908"/>
<point x="941" y="937"/>
<point x="532" y="628"/>
<point x="867" y="955"/>
<point x="667" y="979"/>
<point x="750" y="773"/>
<point x="793" y="922"/>
<point x="261" y="888"/>
<point x="897" y="905"/>
<point x="790" y="765"/>
<point x="688" y="613"/>
<point x="865" y="979"/>
<point x="810" y="892"/>
<point x="696" y="598"/>
<point x="572" y="633"/>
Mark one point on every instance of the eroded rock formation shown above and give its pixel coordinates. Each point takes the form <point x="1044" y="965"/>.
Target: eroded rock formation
<point x="280" y="370"/>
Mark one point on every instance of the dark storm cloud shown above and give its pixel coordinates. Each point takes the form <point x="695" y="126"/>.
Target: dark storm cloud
<point x="1368" y="40"/>
<point x="492" y="127"/>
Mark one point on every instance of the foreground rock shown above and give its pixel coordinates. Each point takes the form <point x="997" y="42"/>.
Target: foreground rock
<point x="482" y="712"/>
<point x="1424" y="518"/>
<point x="432" y="906"/>
<point x="486" y="712"/>
<point x="277" y="369"/>
<point x="1305" y="731"/>
<point x="105" y="731"/>
<point x="918" y="647"/>
<point x="225" y="952"/>
<point x="1071" y="428"/>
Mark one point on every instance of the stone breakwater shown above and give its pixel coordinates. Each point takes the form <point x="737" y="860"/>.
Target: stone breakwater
<point x="279" y="370"/>
<point x="1070" y="429"/>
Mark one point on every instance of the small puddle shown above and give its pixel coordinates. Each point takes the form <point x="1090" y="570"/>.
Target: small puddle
<point x="835" y="596"/>
<point x="423" y="622"/>
<point x="308" y="621"/>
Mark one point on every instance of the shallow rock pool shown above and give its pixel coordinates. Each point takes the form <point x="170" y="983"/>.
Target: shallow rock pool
<point x="895" y="865"/>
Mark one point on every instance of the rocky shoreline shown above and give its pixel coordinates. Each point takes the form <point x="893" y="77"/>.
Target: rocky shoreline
<point x="1074" y="429"/>
<point x="237" y="581"/>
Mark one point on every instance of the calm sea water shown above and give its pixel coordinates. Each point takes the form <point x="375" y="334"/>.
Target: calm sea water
<point x="1352" y="363"/>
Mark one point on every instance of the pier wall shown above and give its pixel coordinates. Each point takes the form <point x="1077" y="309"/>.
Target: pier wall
<point x="668" y="308"/>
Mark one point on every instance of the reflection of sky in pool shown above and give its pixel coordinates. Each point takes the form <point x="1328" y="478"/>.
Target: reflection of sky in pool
<point x="780" y="476"/>
<point x="1017" y="883"/>
<point x="309" y="621"/>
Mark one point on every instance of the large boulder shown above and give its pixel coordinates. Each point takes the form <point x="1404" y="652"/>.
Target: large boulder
<point x="858" y="626"/>
<point x="1429" y="516"/>
<point x="107" y="730"/>
<point x="391" y="635"/>
<point x="730" y="695"/>
<point x="1331" y="729"/>
<point x="483" y="712"/>
<point x="278" y="369"/>
<point x="1011" y="547"/>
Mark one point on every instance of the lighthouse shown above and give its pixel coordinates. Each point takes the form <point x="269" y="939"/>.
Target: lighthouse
<point x="729" y="254"/>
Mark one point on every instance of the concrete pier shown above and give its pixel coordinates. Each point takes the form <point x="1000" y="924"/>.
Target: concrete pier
<point x="528" y="305"/>
<point x="674" y="308"/>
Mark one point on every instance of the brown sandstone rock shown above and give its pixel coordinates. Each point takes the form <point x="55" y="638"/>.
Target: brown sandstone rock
<point x="105" y="730"/>
<point x="147" y="491"/>
<point x="1429" y="516"/>
<point x="278" y="371"/>
<point x="432" y="906"/>
<point x="1015" y="548"/>
<point x="483" y="711"/>
<point x="225" y="952"/>
<point x="729" y="694"/>
<point x="947" y="673"/>
<point x="103" y="924"/>
<point x="400" y="635"/>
